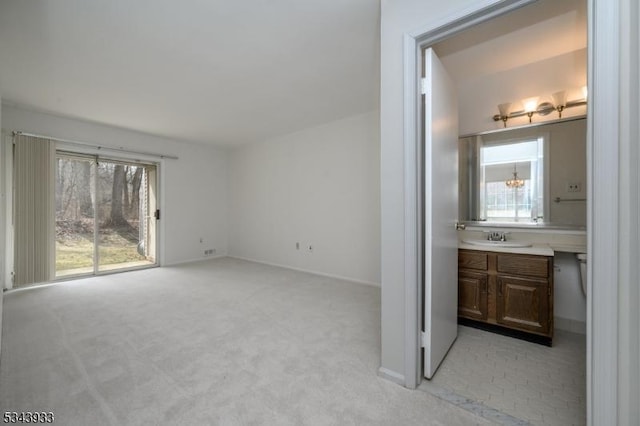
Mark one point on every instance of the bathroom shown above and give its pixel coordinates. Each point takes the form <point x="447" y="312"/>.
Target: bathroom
<point x="521" y="80"/>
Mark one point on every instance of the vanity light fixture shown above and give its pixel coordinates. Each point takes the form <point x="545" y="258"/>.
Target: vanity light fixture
<point x="531" y="106"/>
<point x="515" y="182"/>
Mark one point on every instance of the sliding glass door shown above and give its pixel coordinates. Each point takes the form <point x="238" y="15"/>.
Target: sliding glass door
<point x="105" y="215"/>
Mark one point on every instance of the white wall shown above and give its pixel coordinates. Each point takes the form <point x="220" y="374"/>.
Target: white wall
<point x="193" y="188"/>
<point x="318" y="187"/>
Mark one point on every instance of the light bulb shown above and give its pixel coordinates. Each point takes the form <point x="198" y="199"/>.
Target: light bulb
<point x="530" y="104"/>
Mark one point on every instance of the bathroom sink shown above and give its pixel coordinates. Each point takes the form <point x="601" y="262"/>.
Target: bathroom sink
<point x="489" y="243"/>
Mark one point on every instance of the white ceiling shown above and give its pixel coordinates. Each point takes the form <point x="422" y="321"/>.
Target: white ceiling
<point x="219" y="71"/>
<point x="535" y="33"/>
<point x="231" y="72"/>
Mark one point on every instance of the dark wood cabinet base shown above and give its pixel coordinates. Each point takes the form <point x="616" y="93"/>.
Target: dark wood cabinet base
<point x="507" y="293"/>
<point x="505" y="331"/>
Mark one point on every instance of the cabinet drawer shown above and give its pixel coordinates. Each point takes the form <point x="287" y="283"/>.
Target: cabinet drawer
<point x="533" y="266"/>
<point x="470" y="259"/>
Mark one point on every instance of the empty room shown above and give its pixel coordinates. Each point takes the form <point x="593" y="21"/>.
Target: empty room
<point x="319" y="212"/>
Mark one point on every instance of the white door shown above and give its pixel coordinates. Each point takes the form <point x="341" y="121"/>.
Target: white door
<point x="440" y="213"/>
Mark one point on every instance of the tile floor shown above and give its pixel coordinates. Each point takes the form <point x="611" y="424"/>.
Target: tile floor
<point x="530" y="383"/>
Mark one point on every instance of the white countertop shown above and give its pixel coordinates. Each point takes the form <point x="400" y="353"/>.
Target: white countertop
<point x="545" y="243"/>
<point x="569" y="248"/>
<point x="536" y="249"/>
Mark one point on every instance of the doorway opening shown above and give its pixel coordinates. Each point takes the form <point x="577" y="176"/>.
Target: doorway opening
<point x="105" y="215"/>
<point x="485" y="84"/>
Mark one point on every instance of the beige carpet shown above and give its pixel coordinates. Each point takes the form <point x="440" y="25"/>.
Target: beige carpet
<point x="223" y="342"/>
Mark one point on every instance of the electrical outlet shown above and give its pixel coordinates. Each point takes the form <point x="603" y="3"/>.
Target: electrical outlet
<point x="310" y="248"/>
<point x="574" y="187"/>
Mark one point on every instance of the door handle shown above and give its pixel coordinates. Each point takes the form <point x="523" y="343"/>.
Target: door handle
<point x="460" y="226"/>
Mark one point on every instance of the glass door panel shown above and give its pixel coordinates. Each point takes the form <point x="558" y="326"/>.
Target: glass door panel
<point x="123" y="216"/>
<point x="75" y="216"/>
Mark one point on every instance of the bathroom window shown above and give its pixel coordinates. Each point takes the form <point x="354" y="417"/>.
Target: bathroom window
<point x="521" y="161"/>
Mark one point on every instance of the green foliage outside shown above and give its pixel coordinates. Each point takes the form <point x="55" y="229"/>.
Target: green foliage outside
<point x="77" y="252"/>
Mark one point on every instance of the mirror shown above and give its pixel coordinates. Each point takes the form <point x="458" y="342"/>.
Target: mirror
<point x="531" y="175"/>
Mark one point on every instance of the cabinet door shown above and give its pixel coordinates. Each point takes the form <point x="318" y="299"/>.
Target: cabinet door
<point x="472" y="295"/>
<point x="523" y="303"/>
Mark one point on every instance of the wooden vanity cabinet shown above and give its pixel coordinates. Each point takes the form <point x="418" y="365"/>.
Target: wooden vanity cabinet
<point x="506" y="290"/>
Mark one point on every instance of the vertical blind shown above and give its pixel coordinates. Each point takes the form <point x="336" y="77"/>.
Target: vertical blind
<point x="33" y="209"/>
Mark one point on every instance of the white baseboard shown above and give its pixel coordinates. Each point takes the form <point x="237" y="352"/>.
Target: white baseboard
<point x="392" y="376"/>
<point x="197" y="259"/>
<point x="308" y="271"/>
<point x="567" y="324"/>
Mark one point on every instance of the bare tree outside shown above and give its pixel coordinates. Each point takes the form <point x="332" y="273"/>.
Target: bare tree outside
<point x="136" y="181"/>
<point x="84" y="191"/>
<point x="119" y="189"/>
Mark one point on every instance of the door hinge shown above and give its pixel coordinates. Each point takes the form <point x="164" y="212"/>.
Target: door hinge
<point x="156" y="214"/>
<point x="424" y="338"/>
<point x="423" y="86"/>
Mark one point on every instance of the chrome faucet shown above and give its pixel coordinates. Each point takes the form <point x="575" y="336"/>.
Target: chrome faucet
<point x="497" y="236"/>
